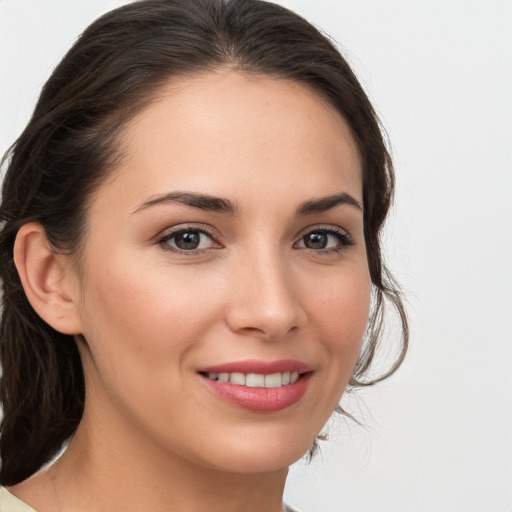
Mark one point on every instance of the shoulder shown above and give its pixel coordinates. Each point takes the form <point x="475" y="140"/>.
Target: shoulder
<point x="9" y="503"/>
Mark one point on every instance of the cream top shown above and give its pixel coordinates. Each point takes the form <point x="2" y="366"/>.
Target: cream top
<point x="9" y="503"/>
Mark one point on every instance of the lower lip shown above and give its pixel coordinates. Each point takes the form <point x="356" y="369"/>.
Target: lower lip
<point x="259" y="399"/>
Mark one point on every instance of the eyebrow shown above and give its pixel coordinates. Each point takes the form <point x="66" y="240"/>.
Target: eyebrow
<point x="201" y="201"/>
<point x="221" y="205"/>
<point x="324" y="204"/>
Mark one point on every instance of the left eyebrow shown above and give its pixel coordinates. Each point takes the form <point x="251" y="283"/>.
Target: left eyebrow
<point x="324" y="204"/>
<point x="200" y="201"/>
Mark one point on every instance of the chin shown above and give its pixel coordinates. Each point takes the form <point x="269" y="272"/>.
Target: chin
<point x="262" y="452"/>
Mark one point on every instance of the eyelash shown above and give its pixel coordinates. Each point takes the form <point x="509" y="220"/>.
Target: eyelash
<point x="344" y="239"/>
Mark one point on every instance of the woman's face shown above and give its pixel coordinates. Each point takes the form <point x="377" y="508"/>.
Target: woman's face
<point x="228" y="246"/>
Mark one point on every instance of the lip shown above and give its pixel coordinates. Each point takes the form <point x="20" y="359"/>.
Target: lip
<point x="259" y="399"/>
<point x="261" y="367"/>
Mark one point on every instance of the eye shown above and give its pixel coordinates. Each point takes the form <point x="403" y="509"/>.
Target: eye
<point x="188" y="240"/>
<point x="325" y="239"/>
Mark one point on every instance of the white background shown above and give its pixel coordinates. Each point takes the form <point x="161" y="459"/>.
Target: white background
<point x="437" y="437"/>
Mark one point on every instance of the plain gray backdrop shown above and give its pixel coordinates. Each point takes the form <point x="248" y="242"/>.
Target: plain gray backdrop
<point x="437" y="437"/>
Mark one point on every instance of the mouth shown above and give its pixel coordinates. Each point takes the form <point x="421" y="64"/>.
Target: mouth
<point x="255" y="380"/>
<point x="258" y="386"/>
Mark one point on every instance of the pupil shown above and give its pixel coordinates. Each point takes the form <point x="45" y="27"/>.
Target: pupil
<point x="188" y="240"/>
<point x="316" y="241"/>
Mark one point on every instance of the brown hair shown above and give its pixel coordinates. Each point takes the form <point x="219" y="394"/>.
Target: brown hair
<point x="70" y="145"/>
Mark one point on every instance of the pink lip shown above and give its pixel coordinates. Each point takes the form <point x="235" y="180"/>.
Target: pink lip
<point x="259" y="399"/>
<point x="261" y="367"/>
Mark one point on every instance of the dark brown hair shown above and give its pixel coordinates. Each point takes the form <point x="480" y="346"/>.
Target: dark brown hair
<point x="70" y="145"/>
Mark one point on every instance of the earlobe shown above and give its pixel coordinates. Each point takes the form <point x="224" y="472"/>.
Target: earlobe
<point x="47" y="280"/>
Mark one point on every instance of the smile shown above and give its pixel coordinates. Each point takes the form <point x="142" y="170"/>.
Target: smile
<point x="258" y="386"/>
<point x="256" y="380"/>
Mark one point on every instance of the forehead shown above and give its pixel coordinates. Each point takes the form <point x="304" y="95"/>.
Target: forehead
<point x="230" y="133"/>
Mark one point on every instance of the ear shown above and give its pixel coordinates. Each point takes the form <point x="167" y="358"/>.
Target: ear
<point x="48" y="279"/>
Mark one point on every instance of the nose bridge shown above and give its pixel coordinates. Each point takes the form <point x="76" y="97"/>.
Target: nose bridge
<point x="266" y="299"/>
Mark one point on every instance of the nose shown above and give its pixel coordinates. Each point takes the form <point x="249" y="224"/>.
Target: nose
<point x="264" y="298"/>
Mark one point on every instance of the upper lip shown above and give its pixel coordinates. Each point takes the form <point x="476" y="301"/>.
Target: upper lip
<point x="259" y="367"/>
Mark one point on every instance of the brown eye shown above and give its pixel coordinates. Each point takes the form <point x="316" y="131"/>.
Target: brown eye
<point x="325" y="240"/>
<point x="187" y="240"/>
<point x="316" y="240"/>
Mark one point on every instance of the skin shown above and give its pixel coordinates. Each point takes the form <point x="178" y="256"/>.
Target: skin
<point x="153" y="436"/>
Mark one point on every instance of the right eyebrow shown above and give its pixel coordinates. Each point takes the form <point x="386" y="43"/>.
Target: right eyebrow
<point x="324" y="204"/>
<point x="201" y="201"/>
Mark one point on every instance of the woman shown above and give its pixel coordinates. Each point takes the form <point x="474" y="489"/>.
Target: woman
<point x="190" y="261"/>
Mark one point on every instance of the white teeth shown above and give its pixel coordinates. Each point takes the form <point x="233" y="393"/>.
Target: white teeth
<point x="256" y="380"/>
<point x="273" y="381"/>
<point x="237" y="378"/>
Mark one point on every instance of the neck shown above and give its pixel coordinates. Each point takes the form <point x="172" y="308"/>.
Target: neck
<point x="121" y="472"/>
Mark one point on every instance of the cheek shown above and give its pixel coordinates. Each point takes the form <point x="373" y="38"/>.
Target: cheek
<point x="340" y="313"/>
<point x="343" y="303"/>
<point x="139" y="319"/>
<point x="141" y="327"/>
